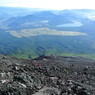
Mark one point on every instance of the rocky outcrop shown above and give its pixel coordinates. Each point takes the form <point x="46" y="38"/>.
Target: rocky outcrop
<point x="47" y="76"/>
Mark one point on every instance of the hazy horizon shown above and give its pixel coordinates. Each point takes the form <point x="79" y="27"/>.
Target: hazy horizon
<point x="49" y="4"/>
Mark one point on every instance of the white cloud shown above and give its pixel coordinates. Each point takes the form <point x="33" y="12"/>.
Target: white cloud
<point x="51" y="4"/>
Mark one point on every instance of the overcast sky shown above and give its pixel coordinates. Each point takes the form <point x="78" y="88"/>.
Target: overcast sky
<point x="50" y="4"/>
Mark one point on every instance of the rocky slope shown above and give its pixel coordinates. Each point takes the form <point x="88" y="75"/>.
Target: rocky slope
<point x="47" y="75"/>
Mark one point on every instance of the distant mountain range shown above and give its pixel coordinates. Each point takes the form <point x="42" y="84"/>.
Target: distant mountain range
<point x="29" y="33"/>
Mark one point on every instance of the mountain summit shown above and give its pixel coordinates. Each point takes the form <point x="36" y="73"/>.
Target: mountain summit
<point x="47" y="75"/>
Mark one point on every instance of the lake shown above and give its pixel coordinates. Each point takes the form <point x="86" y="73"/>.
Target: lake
<point x="73" y="24"/>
